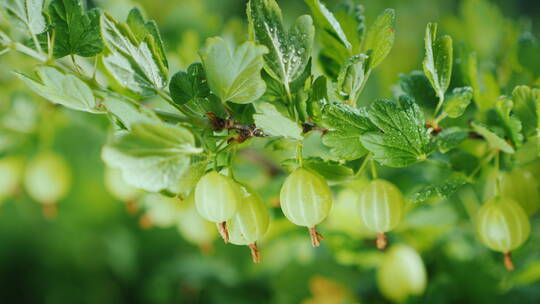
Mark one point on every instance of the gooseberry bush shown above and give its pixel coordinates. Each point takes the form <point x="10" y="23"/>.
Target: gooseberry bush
<point x="282" y="87"/>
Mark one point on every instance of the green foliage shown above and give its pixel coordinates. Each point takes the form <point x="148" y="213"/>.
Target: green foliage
<point x="403" y="138"/>
<point x="234" y="74"/>
<point x="440" y="190"/>
<point x="458" y="101"/>
<point x="380" y="38"/>
<point x="289" y="51"/>
<point x="76" y="32"/>
<point x="26" y="13"/>
<point x="153" y="156"/>
<point x="252" y="106"/>
<point x="64" y="89"/>
<point x="134" y="63"/>
<point x="438" y="61"/>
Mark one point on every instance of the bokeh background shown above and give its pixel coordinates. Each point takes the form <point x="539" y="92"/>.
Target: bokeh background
<point x="100" y="249"/>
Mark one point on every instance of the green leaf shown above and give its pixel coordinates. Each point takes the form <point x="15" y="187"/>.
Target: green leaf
<point x="289" y="52"/>
<point x="346" y="124"/>
<point x="494" y="141"/>
<point x="326" y="20"/>
<point x="417" y="86"/>
<point x="64" y="89"/>
<point x="526" y="102"/>
<point x="234" y="75"/>
<point x="335" y="45"/>
<point x="153" y="156"/>
<point x="141" y="29"/>
<point x="351" y="77"/>
<point x="380" y="38"/>
<point x="441" y="190"/>
<point x="352" y="21"/>
<point x="438" y="61"/>
<point x="508" y="121"/>
<point x="189" y="85"/>
<point x="274" y="123"/>
<point x="27" y="14"/>
<point x="128" y="112"/>
<point x="450" y="138"/>
<point x="403" y="138"/>
<point x="76" y="32"/>
<point x="332" y="171"/>
<point x="458" y="101"/>
<point x="132" y="63"/>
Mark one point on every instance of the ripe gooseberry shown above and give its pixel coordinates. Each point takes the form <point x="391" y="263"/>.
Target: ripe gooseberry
<point x="11" y="168"/>
<point x="217" y="198"/>
<point x="47" y="179"/>
<point x="381" y="207"/>
<point x="502" y="225"/>
<point x="521" y="186"/>
<point x="306" y="200"/>
<point x="249" y="223"/>
<point x="401" y="274"/>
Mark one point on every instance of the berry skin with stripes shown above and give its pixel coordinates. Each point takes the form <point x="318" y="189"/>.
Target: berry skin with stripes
<point x="521" y="186"/>
<point x="381" y="207"/>
<point x="502" y="225"/>
<point x="217" y="198"/>
<point x="250" y="222"/>
<point x="306" y="200"/>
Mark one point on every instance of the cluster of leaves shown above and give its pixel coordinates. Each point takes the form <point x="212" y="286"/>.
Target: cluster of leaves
<point x="267" y="87"/>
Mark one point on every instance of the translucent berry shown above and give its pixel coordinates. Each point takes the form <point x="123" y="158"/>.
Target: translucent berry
<point x="401" y="274"/>
<point x="47" y="180"/>
<point x="306" y="200"/>
<point x="217" y="198"/>
<point x="502" y="225"/>
<point x="381" y="207"/>
<point x="249" y="223"/>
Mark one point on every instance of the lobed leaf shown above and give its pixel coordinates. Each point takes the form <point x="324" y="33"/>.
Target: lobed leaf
<point x="153" y="156"/>
<point x="76" y="32"/>
<point x="494" y="141"/>
<point x="133" y="64"/>
<point x="234" y="74"/>
<point x="288" y="51"/>
<point x="27" y="14"/>
<point x="458" y="101"/>
<point x="441" y="190"/>
<point x="60" y="88"/>
<point x="403" y="138"/>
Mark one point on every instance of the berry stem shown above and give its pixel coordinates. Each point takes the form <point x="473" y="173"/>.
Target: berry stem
<point x="381" y="241"/>
<point x="255" y="254"/>
<point x="508" y="261"/>
<point x="316" y="237"/>
<point x="50" y="211"/>
<point x="222" y="228"/>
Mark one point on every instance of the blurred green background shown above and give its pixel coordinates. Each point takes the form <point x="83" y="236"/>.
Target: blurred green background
<point x="98" y="249"/>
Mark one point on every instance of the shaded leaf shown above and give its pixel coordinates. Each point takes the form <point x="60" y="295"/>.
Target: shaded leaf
<point x="189" y="85"/>
<point x="450" y="138"/>
<point x="274" y="123"/>
<point x="441" y="190"/>
<point x="493" y="140"/>
<point x="76" y="32"/>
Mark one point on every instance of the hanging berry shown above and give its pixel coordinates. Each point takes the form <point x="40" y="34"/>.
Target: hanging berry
<point x="306" y="200"/>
